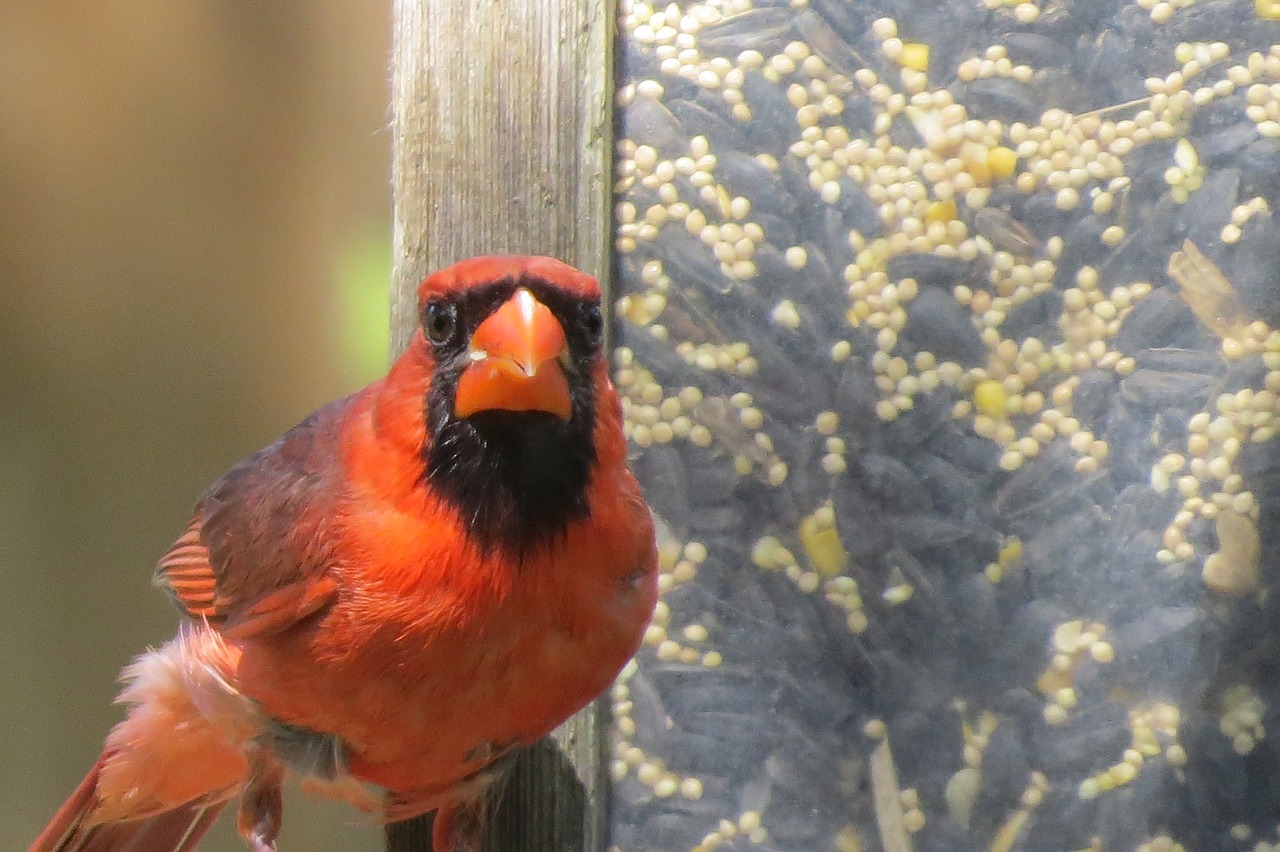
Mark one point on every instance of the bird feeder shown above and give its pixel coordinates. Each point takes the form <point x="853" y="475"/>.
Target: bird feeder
<point x="948" y="336"/>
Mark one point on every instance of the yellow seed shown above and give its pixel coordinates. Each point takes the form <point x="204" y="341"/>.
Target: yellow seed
<point x="1002" y="161"/>
<point x="898" y="594"/>
<point x="1102" y="652"/>
<point x="990" y="397"/>
<point x="1185" y="156"/>
<point x="666" y="787"/>
<point x="977" y="162"/>
<point x="1123" y="773"/>
<point x="695" y="633"/>
<point x="1268" y="10"/>
<point x="1011" y="460"/>
<point x="1011" y="552"/>
<point x="945" y="211"/>
<point x="915" y="55"/>
<point x="1066" y="636"/>
<point x="768" y="553"/>
<point x="823" y="546"/>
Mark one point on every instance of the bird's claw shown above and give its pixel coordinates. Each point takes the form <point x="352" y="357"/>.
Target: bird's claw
<point x="459" y="828"/>
<point x="262" y="808"/>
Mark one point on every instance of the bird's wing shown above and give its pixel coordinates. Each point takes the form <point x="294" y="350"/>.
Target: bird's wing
<point x="258" y="555"/>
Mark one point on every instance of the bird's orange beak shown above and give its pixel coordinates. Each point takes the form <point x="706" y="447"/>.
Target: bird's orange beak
<point x="515" y="355"/>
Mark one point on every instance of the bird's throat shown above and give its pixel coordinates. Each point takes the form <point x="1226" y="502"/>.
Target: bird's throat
<point x="515" y="479"/>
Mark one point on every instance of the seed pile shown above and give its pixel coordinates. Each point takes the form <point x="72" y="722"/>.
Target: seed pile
<point x="950" y="357"/>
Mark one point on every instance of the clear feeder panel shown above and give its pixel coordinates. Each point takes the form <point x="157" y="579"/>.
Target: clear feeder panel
<point x="950" y="354"/>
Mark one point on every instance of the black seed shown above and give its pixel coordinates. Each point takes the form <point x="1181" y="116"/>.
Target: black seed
<point x="825" y="42"/>
<point x="1111" y="71"/>
<point x="1259" y="166"/>
<point x="1090" y="740"/>
<point x="1248" y="372"/>
<point x="1005" y="767"/>
<point x="1035" y="49"/>
<point x="1179" y="361"/>
<point x="1040" y="213"/>
<point x="937" y="323"/>
<point x="1081" y="246"/>
<point x="1209" y="207"/>
<point x="1152" y="387"/>
<point x="649" y="122"/>
<point x="780" y="233"/>
<point x="742" y="175"/>
<point x="700" y="121"/>
<point x="912" y="428"/>
<point x="1154" y="321"/>
<point x="688" y="261"/>
<point x="890" y="482"/>
<point x="932" y="270"/>
<point x="1159" y="643"/>
<point x="662" y="463"/>
<point x="1224" y="144"/>
<point x="1036" y="317"/>
<point x="998" y="97"/>
<point x="928" y="530"/>
<point x="967" y="451"/>
<point x="1005" y="233"/>
<point x="1093" y="394"/>
<point x="849" y="21"/>
<point x="950" y="485"/>
<point x="1252" y="268"/>
<point x="772" y="267"/>
<point x="766" y="30"/>
<point x="772" y="127"/>
<point x="1124" y="820"/>
<point x="855" y="398"/>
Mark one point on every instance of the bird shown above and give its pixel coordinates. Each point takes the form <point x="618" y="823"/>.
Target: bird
<point x="400" y="593"/>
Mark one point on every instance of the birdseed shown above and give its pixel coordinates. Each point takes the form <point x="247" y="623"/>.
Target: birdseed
<point x="949" y="346"/>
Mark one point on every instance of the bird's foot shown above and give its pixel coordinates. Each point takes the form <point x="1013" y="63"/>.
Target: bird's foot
<point x="458" y="828"/>
<point x="262" y="808"/>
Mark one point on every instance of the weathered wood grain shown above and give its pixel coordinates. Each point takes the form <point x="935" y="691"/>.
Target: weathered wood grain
<point x="502" y="144"/>
<point x="502" y="123"/>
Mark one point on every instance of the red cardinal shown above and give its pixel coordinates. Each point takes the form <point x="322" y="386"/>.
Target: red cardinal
<point x="409" y="585"/>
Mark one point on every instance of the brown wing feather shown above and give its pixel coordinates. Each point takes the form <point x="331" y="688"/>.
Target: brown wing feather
<point x="257" y="556"/>
<point x="185" y="573"/>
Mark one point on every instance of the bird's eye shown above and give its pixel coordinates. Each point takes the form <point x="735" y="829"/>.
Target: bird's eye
<point x="439" y="320"/>
<point x="593" y="324"/>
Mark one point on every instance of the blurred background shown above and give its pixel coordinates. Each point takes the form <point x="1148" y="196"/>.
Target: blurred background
<point x="194" y="253"/>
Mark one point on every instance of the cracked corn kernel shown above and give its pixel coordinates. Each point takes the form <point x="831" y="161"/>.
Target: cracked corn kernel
<point x="915" y="55"/>
<point x="990" y="397"/>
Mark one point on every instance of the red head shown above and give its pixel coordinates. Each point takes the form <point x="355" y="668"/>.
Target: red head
<point x="518" y="352"/>
<point x="518" y="382"/>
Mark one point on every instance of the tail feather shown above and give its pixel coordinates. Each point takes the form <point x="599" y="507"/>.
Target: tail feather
<point x="67" y="820"/>
<point x="71" y="830"/>
<point x="178" y="830"/>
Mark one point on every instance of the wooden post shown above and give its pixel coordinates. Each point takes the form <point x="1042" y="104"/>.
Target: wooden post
<point x="502" y="134"/>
